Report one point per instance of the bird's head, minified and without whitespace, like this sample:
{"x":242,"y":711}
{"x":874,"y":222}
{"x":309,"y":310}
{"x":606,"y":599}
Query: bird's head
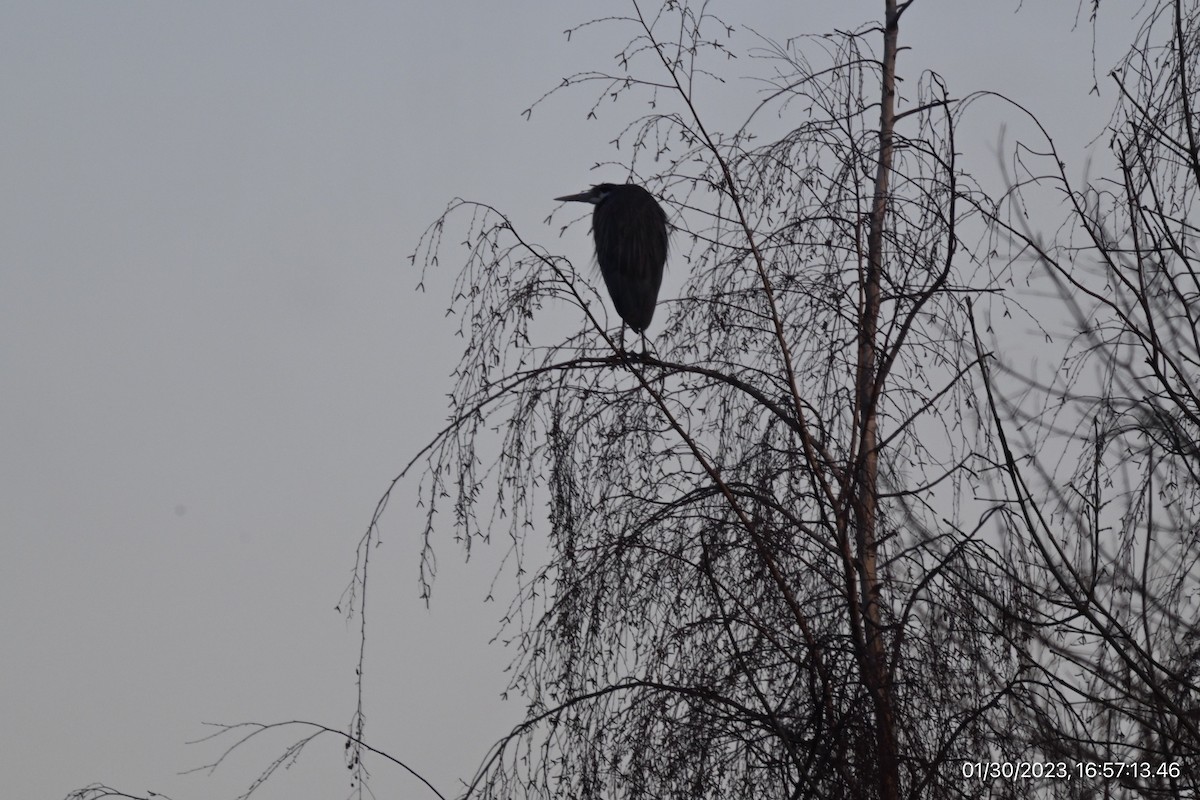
{"x":593,"y":195}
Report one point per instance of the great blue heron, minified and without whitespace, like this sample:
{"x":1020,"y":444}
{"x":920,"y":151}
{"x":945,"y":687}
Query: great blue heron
{"x":630,"y":229}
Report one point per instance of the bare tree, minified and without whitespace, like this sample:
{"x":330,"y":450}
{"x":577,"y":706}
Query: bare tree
{"x":751,"y":530}
{"x":1101,"y":460}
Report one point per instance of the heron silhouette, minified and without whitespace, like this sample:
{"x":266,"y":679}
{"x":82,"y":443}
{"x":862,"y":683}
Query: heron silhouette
{"x":630,"y":229}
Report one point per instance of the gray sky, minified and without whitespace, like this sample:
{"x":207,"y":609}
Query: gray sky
{"x":214,"y":361}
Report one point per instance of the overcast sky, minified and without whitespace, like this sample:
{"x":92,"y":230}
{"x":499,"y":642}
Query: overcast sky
{"x":213,"y":359}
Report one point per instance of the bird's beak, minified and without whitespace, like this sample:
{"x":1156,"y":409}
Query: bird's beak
{"x":582,"y":197}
